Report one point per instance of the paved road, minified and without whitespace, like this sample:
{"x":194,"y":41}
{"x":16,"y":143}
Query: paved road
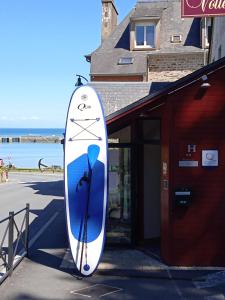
{"x":37,"y":189}
{"x":47,"y":274}
{"x":44,"y":192}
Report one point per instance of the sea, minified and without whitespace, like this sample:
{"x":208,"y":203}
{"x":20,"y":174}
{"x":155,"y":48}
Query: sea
{"x":27,"y":155}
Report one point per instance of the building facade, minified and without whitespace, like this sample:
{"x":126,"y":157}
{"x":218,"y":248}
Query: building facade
{"x":166,"y":143}
{"x":172,"y":165}
{"x":153,"y":43}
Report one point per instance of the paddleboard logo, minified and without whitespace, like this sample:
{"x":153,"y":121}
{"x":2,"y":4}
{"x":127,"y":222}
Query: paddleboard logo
{"x":83,"y":106}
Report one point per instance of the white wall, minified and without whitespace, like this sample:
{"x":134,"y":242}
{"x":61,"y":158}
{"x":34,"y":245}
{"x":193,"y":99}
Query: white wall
{"x":218,"y":39}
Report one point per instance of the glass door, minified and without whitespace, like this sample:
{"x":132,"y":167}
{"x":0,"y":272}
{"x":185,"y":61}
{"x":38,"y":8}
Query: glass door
{"x":119,"y":203}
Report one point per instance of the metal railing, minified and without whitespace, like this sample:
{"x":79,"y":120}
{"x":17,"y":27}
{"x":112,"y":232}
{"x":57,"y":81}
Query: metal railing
{"x":14,"y":242}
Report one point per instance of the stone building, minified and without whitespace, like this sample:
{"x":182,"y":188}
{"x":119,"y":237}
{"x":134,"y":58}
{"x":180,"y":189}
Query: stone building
{"x":153,"y":43}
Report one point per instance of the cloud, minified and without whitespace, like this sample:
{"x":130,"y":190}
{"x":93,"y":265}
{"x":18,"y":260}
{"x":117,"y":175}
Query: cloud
{"x":35,"y":118}
{"x":7,"y":118}
{"x":30,"y":118}
{"x":22,"y":118}
{"x":4,"y":118}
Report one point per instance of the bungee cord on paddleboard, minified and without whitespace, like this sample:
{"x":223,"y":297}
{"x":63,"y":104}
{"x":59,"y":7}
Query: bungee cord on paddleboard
{"x":85,"y":129}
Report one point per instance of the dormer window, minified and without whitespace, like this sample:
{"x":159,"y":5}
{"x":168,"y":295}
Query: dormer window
{"x":145,"y":35}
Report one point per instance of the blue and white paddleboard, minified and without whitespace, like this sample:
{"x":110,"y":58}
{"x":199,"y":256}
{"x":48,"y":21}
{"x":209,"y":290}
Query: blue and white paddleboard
{"x":86,"y":172}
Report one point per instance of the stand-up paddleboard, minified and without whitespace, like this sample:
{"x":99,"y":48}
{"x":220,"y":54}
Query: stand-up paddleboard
{"x":86,"y":174}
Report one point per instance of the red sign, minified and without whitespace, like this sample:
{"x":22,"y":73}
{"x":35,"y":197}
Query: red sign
{"x":202,"y":8}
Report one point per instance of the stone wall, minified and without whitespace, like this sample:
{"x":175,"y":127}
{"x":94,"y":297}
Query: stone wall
{"x":168,"y":75}
{"x":170,"y":67}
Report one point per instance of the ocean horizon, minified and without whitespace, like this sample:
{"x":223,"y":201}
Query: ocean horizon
{"x":27,"y":155}
{"x":17,"y":132}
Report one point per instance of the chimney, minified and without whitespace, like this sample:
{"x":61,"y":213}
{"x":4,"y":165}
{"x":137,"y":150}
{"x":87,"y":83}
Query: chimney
{"x":109,"y":18}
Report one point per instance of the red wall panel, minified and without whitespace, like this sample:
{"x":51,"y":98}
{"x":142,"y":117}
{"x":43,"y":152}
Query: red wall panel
{"x":197,"y":232}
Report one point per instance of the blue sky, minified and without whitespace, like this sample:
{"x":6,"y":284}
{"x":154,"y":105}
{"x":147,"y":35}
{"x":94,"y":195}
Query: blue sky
{"x":43,"y":43}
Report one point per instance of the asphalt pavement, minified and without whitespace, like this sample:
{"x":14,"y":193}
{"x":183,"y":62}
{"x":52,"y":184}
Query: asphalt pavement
{"x":37,"y":189}
{"x":48,"y":272}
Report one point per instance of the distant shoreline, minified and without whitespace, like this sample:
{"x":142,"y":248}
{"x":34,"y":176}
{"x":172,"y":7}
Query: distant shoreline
{"x":35,"y":132}
{"x":35,"y":170}
{"x":23,"y":148}
{"x":55,"y":139}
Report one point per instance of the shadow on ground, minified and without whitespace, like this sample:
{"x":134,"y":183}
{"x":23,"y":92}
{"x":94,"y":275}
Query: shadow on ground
{"x":48,"y":188}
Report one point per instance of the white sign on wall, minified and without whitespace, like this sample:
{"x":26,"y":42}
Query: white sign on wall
{"x":210,"y":158}
{"x":188,"y":163}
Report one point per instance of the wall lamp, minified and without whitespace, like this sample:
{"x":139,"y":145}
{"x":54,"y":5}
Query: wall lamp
{"x":205,"y":84}
{"x":143,"y":115}
{"x":79,"y":81}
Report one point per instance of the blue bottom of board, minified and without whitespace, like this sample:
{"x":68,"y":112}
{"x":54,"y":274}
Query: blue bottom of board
{"x":86,"y":182}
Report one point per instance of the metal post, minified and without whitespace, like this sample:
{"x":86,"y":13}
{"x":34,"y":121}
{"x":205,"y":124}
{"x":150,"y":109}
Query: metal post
{"x":27,"y":229}
{"x":10,"y":242}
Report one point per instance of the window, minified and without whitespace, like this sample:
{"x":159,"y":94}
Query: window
{"x":145,"y":35}
{"x":125,"y":61}
{"x":176,"y":38}
{"x":151,"y":130}
{"x":121,"y":136}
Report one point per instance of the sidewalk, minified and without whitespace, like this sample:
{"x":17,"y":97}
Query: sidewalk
{"x":49,"y":273}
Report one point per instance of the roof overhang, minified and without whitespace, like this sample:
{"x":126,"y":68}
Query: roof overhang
{"x":145,"y":18}
{"x":155,"y":100}
{"x":117,"y":74}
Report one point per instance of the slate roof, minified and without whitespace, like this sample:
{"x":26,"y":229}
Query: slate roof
{"x":104,"y":60}
{"x":154,"y":98}
{"x":117,"y":95}
{"x":147,"y":11}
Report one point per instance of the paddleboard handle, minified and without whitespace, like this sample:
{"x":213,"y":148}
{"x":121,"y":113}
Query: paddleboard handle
{"x":85,"y":178}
